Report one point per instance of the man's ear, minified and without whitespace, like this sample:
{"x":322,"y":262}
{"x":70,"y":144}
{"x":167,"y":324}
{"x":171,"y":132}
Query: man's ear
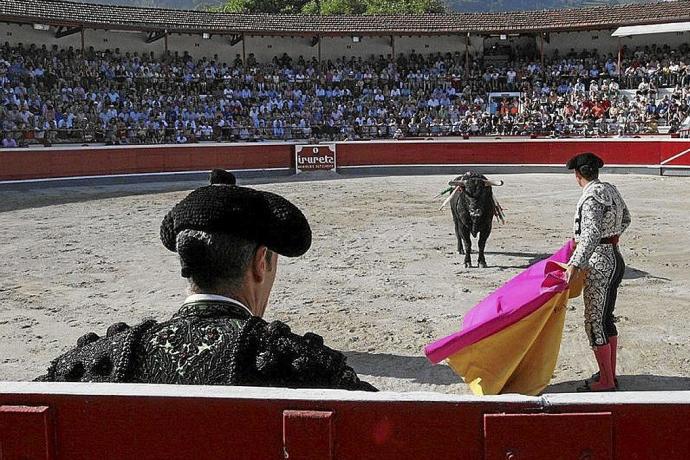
{"x":259,"y":265}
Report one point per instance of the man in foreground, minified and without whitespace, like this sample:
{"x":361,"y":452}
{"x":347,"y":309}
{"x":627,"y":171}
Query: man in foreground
{"x":228,"y":239}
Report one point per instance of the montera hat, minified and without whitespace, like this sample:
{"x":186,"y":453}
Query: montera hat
{"x":266,"y":218}
{"x":585,"y":159}
{"x":222,"y":177}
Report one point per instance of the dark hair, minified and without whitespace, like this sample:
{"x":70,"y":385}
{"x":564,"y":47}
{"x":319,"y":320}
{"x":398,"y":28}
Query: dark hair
{"x":587,"y":164}
{"x":209,"y":259}
{"x":589,"y":171}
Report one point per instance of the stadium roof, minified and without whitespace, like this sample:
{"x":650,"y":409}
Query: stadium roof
{"x":652,"y":29}
{"x":74,"y":14}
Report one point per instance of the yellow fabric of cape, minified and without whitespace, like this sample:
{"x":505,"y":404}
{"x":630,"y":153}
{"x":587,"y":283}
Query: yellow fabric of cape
{"x":520,"y":358}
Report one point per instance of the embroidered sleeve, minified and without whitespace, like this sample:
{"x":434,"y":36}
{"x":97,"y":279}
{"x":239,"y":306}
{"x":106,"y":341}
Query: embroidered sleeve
{"x":626,"y":217}
{"x":99,"y":359}
{"x":591,"y":224}
{"x":271,"y":355}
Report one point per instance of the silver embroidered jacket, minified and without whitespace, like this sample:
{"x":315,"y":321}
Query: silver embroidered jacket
{"x":601,"y":213}
{"x":206,"y":343}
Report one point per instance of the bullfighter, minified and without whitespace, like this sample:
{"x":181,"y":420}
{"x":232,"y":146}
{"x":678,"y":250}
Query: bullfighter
{"x":600,"y":219}
{"x":228,"y":239}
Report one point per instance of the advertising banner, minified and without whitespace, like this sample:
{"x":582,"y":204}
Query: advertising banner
{"x":319,"y":157}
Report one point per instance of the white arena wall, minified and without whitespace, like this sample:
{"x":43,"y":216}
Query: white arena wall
{"x":25,"y":33}
{"x":265,"y":47}
{"x":197,"y":46}
{"x":602,"y":41}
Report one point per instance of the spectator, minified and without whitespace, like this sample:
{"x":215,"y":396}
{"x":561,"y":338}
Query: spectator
{"x":8,"y":142}
{"x":66,"y":95}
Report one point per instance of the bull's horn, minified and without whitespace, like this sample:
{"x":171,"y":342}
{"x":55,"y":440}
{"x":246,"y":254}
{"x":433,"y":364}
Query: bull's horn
{"x":493,"y":183}
{"x":457,"y":183}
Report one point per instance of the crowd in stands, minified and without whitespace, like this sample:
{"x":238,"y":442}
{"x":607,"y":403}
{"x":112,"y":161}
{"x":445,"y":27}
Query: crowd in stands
{"x":50,"y":95}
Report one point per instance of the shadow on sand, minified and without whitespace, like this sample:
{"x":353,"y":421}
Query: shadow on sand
{"x":35,"y":195}
{"x":634,"y":273}
{"x":643,"y":382}
{"x":531,"y":258}
{"x":416,"y":368}
{"x":14,"y":200}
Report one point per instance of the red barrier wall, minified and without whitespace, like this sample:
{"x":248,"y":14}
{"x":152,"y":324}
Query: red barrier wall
{"x":542,"y":152}
{"x":95,"y":161}
{"x":118,"y":421}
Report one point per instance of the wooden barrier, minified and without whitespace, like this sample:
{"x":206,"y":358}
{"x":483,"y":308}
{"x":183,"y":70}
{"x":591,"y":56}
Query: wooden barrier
{"x":122,"y":421}
{"x":18,"y":164}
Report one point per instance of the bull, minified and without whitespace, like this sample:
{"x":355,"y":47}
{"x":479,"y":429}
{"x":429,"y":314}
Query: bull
{"x":473,"y":207}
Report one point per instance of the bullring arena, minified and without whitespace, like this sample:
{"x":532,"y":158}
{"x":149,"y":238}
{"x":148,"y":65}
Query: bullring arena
{"x":80,"y":217}
{"x":383,"y":278}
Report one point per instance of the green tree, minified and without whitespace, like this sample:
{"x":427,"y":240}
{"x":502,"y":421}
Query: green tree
{"x":334,"y":7}
{"x":329,"y":7}
{"x":404,"y":6}
{"x":262,"y":6}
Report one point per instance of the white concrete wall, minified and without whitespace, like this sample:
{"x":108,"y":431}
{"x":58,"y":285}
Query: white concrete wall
{"x":431,"y":44}
{"x":337,"y":47}
{"x":674,"y":40}
{"x":125,"y":41}
{"x":602,"y":41}
{"x":25,"y":33}
{"x":265,"y":47}
{"x":196,"y":46}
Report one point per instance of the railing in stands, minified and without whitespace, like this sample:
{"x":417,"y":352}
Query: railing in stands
{"x":148,"y":136}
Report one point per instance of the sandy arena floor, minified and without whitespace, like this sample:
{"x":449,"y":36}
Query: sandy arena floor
{"x":382,"y":278}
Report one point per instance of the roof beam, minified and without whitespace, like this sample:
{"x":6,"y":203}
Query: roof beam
{"x":64,"y":31}
{"x":235,"y":39}
{"x":155,"y":36}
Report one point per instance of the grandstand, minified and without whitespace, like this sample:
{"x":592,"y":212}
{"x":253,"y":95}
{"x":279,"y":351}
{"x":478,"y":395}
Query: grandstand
{"x":123,"y":75}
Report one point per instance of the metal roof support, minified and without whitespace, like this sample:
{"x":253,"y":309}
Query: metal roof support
{"x":155,"y":36}
{"x":620,"y":58}
{"x":63,"y":31}
{"x":467,"y":55}
{"x":235,"y":39}
{"x":541,"y":48}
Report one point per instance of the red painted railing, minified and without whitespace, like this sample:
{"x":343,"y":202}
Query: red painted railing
{"x":119,"y":421}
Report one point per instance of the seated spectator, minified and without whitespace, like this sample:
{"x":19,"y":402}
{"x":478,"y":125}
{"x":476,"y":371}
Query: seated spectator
{"x":8,"y":141}
{"x":228,"y":239}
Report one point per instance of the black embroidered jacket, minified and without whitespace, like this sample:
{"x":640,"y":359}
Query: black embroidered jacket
{"x":206,"y":343}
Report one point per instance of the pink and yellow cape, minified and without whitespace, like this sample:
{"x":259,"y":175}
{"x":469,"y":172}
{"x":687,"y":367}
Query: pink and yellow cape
{"x":509,"y":342}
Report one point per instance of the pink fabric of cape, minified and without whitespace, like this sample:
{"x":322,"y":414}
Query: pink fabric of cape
{"x":514,"y":301}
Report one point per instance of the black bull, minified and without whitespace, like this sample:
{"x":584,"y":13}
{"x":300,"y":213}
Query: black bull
{"x":473,"y":208}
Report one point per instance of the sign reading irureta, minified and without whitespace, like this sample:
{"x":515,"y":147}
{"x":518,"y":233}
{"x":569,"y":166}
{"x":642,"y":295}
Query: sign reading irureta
{"x":319,"y":157}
